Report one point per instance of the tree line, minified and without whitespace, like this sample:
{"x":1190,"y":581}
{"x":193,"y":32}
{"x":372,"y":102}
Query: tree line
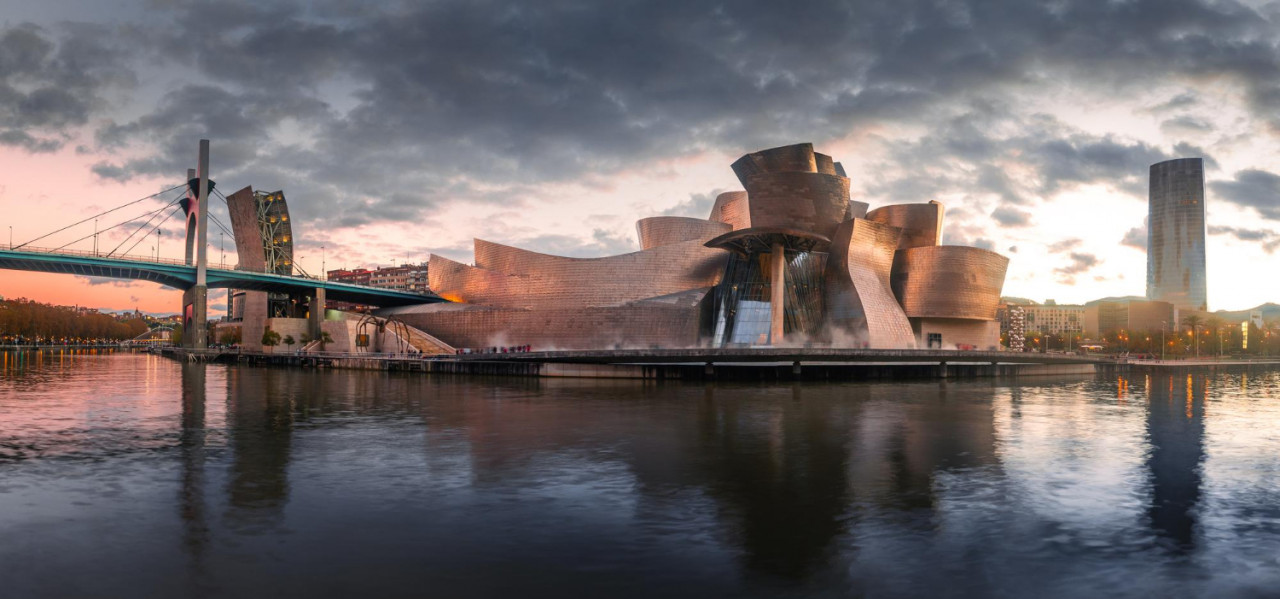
{"x":26,"y":321}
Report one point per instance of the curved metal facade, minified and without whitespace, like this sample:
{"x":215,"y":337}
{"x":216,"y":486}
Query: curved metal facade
{"x":511,"y":277}
{"x":808,"y":201}
{"x":921,"y":224}
{"x":792,"y":187}
{"x":1175,"y":234}
{"x":665,"y":230}
{"x":791,"y":259}
{"x":731,"y":208}
{"x":859,"y":299}
{"x":948,"y":281}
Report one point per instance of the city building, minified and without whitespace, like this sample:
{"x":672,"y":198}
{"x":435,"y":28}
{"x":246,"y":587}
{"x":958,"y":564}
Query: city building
{"x":1054,"y":319}
{"x":262,"y":218}
{"x":358,"y":276}
{"x":1101,"y":318}
{"x":1175,"y":234}
{"x":792,"y":260}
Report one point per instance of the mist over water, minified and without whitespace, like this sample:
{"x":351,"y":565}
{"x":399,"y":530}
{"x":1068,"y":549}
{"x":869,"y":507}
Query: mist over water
{"x":129,"y":475}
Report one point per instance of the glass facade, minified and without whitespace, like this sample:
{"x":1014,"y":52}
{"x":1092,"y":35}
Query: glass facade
{"x":1175,"y":234}
{"x":742,"y":309}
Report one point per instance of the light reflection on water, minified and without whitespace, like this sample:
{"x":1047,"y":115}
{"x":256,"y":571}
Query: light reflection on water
{"x":131,"y":475}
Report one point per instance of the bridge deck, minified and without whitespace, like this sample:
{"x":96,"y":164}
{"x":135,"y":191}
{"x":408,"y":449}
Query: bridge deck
{"x":181,"y":276}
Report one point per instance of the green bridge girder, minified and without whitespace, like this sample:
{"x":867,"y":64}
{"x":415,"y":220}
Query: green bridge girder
{"x":181,"y":276}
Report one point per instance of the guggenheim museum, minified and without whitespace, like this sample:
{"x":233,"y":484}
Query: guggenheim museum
{"x":790,"y":261}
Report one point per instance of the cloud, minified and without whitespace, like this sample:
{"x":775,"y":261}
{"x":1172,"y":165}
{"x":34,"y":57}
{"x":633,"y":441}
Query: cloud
{"x":1058,"y":247}
{"x":1011,"y":217}
{"x":1186,"y":99}
{"x":1080,"y":263}
{"x":95,"y":281}
{"x":52,"y":83}
{"x":1186,"y":125}
{"x":602,"y":243}
{"x":1252,"y":188}
{"x":698,"y":205}
{"x":1266,"y":239}
{"x":1136,"y":238}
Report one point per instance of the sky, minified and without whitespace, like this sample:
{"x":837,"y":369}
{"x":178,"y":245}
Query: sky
{"x":403,"y":129}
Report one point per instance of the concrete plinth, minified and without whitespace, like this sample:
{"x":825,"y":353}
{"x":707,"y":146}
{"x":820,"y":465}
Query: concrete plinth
{"x":315,"y":317}
{"x":195,"y":323}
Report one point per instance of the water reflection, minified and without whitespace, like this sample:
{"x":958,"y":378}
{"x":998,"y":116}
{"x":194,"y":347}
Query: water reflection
{"x":1175,"y":429}
{"x":191,"y":442}
{"x":260,"y":411}
{"x":780,"y":476}
{"x":495,"y":487}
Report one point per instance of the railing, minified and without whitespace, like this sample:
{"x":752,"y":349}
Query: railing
{"x":173,"y":262}
{"x":99,"y":254}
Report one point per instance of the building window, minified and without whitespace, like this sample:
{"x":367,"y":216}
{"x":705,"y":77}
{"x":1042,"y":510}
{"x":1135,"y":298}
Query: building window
{"x":935,"y":340}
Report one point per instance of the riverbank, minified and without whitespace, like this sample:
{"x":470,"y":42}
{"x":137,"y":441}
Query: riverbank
{"x":781,"y":364}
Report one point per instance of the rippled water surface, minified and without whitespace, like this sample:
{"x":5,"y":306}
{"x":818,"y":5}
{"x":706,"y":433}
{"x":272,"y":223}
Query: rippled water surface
{"x":127,"y":475}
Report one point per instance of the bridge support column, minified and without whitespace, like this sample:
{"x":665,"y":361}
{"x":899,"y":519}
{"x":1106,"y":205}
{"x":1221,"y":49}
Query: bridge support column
{"x":195,"y":302}
{"x":316,"y":313}
{"x":195,"y":318}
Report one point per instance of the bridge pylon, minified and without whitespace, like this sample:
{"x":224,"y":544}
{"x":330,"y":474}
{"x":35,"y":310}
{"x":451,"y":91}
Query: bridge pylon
{"x":195,"y":302}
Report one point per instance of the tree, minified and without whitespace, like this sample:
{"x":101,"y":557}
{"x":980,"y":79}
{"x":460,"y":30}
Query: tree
{"x":229,"y":336}
{"x":288,"y":341}
{"x":1193,"y":322}
{"x":325,"y":339}
{"x":1214,"y":325}
{"x":176,"y":335}
{"x":270,"y":338}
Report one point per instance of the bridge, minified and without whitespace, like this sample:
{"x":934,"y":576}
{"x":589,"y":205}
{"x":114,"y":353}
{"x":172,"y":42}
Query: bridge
{"x":179,"y":275}
{"x":194,"y":275}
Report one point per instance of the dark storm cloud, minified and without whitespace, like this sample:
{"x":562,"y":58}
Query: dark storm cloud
{"x":1180,"y":101}
{"x":963,"y":153}
{"x":468,"y":101}
{"x":51,"y":83}
{"x":1252,"y":188}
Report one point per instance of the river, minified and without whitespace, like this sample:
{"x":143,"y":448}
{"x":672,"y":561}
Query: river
{"x":131,"y":475}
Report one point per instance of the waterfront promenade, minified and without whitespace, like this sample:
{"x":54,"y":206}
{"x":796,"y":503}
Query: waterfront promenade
{"x":689,"y":363}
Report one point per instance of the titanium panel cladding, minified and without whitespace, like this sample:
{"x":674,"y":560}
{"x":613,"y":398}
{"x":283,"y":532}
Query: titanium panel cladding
{"x":1175,"y":234}
{"x":949,"y":281}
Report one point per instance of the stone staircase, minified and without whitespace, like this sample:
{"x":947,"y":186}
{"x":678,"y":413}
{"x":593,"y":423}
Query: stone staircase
{"x":423,"y":342}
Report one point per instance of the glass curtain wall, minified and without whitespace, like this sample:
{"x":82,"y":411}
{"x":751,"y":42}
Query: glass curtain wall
{"x":742,"y":309}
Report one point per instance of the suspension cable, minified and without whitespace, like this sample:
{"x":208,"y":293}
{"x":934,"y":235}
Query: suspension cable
{"x":175,"y":187}
{"x":100,"y":231}
{"x":153,"y":229}
{"x":155,"y":214}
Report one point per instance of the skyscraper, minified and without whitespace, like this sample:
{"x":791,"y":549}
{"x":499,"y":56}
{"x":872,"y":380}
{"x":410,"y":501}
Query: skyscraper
{"x":1175,"y":234}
